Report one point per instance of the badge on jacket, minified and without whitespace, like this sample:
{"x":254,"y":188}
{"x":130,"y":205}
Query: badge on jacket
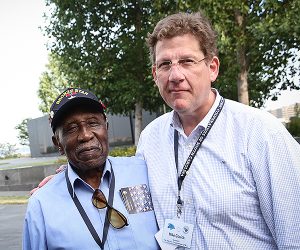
{"x":137,"y":199}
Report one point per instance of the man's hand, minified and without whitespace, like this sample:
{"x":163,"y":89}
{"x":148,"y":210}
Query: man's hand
{"x":48,"y":178}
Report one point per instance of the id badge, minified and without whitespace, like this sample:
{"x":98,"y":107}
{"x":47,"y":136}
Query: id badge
{"x":178,"y":233}
{"x":163,"y":245}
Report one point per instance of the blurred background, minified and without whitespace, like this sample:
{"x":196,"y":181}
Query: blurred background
{"x":100,"y":45}
{"x":49,"y":45}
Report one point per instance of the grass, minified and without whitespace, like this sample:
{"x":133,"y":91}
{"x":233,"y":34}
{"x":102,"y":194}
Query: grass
{"x":5,"y":200}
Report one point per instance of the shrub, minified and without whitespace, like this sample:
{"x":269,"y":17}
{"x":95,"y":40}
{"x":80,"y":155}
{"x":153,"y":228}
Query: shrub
{"x":294,"y":126}
{"x":123,"y":151}
{"x":8,"y":150}
{"x":61,"y":161}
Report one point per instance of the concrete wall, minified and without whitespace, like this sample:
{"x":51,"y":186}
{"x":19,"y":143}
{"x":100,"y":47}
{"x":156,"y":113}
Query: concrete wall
{"x":23,"y":179}
{"x":40,"y":134}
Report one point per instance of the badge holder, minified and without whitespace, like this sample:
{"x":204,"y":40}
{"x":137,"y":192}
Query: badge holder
{"x":175,"y":232}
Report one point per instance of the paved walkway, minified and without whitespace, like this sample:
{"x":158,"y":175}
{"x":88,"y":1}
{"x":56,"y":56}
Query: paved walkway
{"x":12,"y":216}
{"x":28,"y":161}
{"x":11,"y":222}
{"x":14,"y":193}
{"x":11,"y":226}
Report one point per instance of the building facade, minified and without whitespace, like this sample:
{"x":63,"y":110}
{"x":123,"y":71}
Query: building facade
{"x":284,"y":114}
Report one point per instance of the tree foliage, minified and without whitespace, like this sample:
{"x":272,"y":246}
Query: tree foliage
{"x":52,"y":82}
{"x":294,"y":126}
{"x":100,"y":45}
{"x":265,"y":45}
{"x":8,"y":150}
{"x":23,"y":132}
{"x":258,"y":44}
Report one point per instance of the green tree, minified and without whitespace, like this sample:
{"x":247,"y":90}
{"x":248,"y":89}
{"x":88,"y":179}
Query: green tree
{"x":23,"y":132}
{"x":297,"y":110}
{"x":294,"y":126}
{"x":259,"y":43}
{"x":103,"y":45}
{"x":8,"y":150}
{"x":52,"y":82}
{"x":100,"y":46}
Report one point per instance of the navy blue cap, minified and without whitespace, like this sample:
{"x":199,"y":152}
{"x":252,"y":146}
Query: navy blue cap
{"x":70,"y":97}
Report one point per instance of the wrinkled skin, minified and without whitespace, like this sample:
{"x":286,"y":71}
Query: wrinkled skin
{"x":82,"y":137}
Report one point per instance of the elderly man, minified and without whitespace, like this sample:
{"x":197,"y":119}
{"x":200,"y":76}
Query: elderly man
{"x":98,"y":201}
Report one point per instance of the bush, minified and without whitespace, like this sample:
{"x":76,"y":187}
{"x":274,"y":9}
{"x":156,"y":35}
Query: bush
{"x":294,"y":126}
{"x":8,"y":150}
{"x":123,"y":151}
{"x":61,"y":160}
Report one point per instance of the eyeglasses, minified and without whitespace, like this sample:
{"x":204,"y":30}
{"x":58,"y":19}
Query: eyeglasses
{"x":115,"y":217}
{"x":164,"y":67}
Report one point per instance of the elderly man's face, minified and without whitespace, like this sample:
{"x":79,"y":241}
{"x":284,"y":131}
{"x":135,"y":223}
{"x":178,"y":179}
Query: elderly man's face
{"x":82,"y":137}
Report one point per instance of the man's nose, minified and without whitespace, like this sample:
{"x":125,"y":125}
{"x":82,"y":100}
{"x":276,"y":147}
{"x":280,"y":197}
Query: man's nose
{"x":85,"y":134}
{"x":176,"y":73}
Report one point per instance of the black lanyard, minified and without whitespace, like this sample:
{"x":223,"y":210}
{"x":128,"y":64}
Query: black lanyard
{"x":193,"y":153}
{"x":83,"y":213}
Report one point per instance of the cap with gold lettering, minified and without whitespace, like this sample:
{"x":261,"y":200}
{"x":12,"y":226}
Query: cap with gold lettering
{"x":70,"y":97}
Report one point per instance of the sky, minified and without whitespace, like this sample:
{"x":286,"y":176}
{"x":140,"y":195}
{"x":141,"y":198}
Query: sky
{"x":23,"y":56}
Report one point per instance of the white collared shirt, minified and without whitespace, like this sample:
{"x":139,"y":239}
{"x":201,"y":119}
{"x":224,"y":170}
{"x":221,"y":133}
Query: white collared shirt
{"x":242,"y":189}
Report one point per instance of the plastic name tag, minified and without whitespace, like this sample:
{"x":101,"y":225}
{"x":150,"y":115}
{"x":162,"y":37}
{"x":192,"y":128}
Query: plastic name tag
{"x":163,"y":245}
{"x":178,"y":233}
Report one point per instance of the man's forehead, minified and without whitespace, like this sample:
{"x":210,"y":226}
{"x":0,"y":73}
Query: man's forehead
{"x":80,"y":115}
{"x":177,"y":47}
{"x":83,"y":115}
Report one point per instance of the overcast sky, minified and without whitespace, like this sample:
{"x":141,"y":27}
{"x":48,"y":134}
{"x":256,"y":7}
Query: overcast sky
{"x":23,"y":57}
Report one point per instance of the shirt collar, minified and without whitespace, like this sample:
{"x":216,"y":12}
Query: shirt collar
{"x":74,"y":178}
{"x":176,"y":124}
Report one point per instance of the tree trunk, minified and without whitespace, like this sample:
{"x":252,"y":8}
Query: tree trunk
{"x":138,"y":122}
{"x":242,"y":85}
{"x":242,"y":82}
{"x":140,"y":75}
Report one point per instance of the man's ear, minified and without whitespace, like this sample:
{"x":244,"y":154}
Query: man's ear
{"x":154,"y":74}
{"x":214,"y":68}
{"x":58,"y":145}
